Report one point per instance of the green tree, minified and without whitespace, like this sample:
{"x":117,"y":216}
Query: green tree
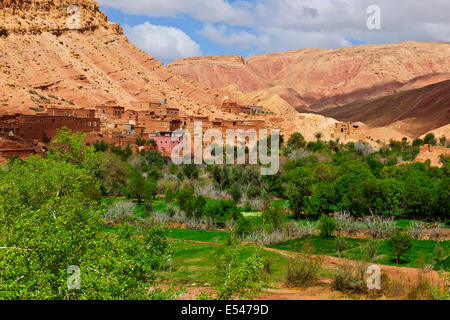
{"x":140,"y":188}
{"x":326,"y":226}
{"x":298,"y":188}
{"x":399,"y":243}
{"x":236,"y":191}
{"x":430,"y":138}
{"x":235,"y":278}
{"x":296,"y":141}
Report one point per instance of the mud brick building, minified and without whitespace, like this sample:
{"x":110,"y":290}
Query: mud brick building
{"x":235,"y":108}
{"x":346,"y":130}
{"x":44,"y":127}
{"x":113,"y":112}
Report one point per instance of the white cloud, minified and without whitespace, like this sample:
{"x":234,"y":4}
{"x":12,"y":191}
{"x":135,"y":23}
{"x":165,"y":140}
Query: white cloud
{"x":277,"y":25}
{"x":224,"y":36}
{"x":164,"y":43}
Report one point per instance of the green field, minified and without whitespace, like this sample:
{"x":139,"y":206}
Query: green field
{"x":326,"y":246}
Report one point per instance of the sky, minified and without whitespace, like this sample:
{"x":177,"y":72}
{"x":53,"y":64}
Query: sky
{"x":173,"y":29}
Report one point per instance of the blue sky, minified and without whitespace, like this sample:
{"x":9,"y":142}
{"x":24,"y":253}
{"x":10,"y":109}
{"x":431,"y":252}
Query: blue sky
{"x":173,"y":29}
{"x":186,"y":23}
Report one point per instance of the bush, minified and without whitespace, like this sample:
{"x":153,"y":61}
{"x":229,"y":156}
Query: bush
{"x":274,"y":217}
{"x":439,"y":252}
{"x":172,"y":210}
{"x":169,"y":195}
{"x":191,"y":171}
{"x":345,"y":223}
{"x":349,"y":278}
{"x":327,"y":226}
{"x":399,"y":243}
{"x":236,"y":192}
{"x":253,"y":192}
{"x":341,"y":245}
{"x":380,"y":227}
{"x":120,"y":210}
{"x":302,"y":273}
{"x":243,"y":227}
{"x":416,"y":229}
{"x":371,"y":250}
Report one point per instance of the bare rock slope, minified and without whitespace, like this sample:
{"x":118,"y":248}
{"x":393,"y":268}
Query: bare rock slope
{"x":313,"y":80}
{"x":44,"y":61}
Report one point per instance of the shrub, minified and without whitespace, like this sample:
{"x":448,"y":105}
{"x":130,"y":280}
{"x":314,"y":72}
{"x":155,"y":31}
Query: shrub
{"x":191,"y":171}
{"x":380,"y":227}
{"x":341,"y":245}
{"x":274,"y":217}
{"x":120,"y":210}
{"x":259,"y":204}
{"x":307,"y":230}
{"x":436,"y":231}
{"x":349,"y":278}
{"x":439,"y":252}
{"x":253,"y":192}
{"x":237,"y":280}
{"x":416,"y":229}
{"x":345,"y":223}
{"x":327,"y":226}
{"x":399,"y":243}
{"x":371,"y":250}
{"x":291,"y":229}
{"x":161,"y":217}
{"x":243,"y":227}
{"x":236,"y":192}
{"x":169,"y":195}
{"x":302,"y":273}
{"x":172,"y":210}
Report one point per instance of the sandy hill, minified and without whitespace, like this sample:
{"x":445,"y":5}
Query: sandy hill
{"x":412,"y":112}
{"x":43,"y":61}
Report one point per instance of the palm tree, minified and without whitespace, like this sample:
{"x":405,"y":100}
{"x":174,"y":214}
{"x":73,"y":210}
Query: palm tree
{"x":318,"y":135}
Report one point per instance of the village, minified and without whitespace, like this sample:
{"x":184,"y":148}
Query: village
{"x":24,"y":135}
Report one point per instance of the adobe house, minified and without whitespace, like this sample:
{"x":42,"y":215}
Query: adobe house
{"x":233,"y":107}
{"x":114,"y":112}
{"x":43,"y":127}
{"x":165,"y":143}
{"x":76,"y":113}
{"x":345,"y":130}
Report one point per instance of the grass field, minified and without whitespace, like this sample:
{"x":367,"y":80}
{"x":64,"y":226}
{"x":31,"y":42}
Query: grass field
{"x":326,"y":246}
{"x":194,"y":263}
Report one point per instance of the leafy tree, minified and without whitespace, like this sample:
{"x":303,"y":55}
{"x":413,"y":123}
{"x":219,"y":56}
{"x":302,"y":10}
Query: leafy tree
{"x":298,"y":188}
{"x":418,"y":142}
{"x":399,"y":243}
{"x":236,"y":191}
{"x":326,"y":226}
{"x":140,"y":188}
{"x":113,"y":174}
{"x":253,"y":192}
{"x":274,"y":217}
{"x":191,"y":171}
{"x":48,"y":222}
{"x":71,"y":147}
{"x":235,"y":279}
{"x":296,"y":141}
{"x":430,"y":139}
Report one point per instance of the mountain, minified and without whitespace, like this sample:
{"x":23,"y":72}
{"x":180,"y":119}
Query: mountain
{"x":314,"y":79}
{"x":44,"y":61}
{"x":412,"y":112}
